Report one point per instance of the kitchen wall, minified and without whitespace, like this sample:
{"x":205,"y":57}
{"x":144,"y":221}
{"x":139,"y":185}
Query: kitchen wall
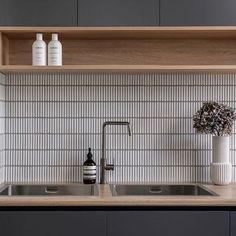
{"x":52,"y":119}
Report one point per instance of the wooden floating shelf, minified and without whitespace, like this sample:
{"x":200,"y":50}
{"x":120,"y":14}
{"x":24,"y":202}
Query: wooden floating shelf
{"x":119,"y":69}
{"x":124,"y":49}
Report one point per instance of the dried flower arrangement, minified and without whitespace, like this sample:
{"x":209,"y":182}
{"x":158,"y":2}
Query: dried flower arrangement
{"x":214,"y":118}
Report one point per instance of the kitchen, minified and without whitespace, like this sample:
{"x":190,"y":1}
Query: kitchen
{"x":133,"y":75}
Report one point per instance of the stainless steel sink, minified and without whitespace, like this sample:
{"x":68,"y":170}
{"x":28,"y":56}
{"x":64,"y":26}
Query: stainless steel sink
{"x":49,"y":190}
{"x":160,"y":190}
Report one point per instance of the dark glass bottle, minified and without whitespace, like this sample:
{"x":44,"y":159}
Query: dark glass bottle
{"x":89,"y":169}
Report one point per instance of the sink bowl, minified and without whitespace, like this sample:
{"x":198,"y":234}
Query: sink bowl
{"x":50,"y":190}
{"x":160,"y":190}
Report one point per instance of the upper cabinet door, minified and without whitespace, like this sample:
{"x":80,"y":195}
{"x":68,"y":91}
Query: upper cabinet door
{"x":118,"y":12}
{"x":38,"y":12}
{"x":197,"y":12}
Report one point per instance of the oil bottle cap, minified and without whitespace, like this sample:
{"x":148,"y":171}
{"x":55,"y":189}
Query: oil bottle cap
{"x":89,"y":155}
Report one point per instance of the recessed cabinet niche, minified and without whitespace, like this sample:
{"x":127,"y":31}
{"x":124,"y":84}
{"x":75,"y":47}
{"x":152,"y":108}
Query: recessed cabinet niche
{"x":124,"y":49}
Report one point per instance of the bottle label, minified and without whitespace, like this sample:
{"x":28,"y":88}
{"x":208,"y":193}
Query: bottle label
{"x":39,"y":56}
{"x":89,"y":172}
{"x":54,"y":55}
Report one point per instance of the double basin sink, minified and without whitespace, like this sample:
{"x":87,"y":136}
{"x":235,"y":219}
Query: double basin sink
{"x":116,"y":190}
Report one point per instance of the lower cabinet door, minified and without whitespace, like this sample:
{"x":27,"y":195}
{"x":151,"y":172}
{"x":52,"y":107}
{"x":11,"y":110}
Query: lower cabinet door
{"x":233,"y":223}
{"x":168,"y":223}
{"x":52,"y":223}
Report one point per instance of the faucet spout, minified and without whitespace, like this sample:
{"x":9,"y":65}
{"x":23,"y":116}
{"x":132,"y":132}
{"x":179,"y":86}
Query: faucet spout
{"x":104,"y":165}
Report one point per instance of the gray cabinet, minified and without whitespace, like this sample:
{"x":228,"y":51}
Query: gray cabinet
{"x":197,"y":12}
{"x":38,"y":12}
{"x":115,"y":223}
{"x":118,"y":12}
{"x":49,"y":223}
{"x":233,"y":223}
{"x":168,"y":223}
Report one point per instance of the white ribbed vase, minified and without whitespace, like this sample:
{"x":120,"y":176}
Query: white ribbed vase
{"x":220,"y":168}
{"x":221,"y":173}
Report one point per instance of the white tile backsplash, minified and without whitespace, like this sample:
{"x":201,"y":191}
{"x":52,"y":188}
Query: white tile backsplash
{"x":51,"y":120}
{"x":2,"y":128}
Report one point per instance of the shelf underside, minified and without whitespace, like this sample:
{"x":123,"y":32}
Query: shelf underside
{"x":119,"y":69}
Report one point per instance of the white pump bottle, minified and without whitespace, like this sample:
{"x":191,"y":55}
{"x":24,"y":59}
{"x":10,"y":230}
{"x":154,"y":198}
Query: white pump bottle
{"x":54,"y":51}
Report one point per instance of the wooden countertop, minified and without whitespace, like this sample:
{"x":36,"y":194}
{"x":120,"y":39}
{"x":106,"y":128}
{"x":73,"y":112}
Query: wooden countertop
{"x":227,"y":197}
